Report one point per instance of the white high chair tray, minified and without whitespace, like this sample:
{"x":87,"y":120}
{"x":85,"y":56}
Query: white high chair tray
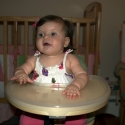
{"x":47,"y":100}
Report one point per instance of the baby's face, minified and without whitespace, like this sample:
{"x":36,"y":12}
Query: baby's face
{"x":51,"y":39}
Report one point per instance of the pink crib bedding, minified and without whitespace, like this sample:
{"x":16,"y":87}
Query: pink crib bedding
{"x":18,"y":55}
{"x":20,"y":49}
{"x":12,"y":55}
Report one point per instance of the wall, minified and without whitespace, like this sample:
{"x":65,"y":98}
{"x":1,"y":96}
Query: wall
{"x":112,"y":17}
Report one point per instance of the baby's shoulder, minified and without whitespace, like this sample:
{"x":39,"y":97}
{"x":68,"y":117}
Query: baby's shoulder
{"x":71,"y":56}
{"x":32,"y":58}
{"x":72,"y":60}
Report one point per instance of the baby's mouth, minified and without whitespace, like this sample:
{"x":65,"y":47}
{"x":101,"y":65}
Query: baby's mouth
{"x":46,"y":44}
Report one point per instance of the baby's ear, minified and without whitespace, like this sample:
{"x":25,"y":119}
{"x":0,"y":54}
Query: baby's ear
{"x":67,"y":40}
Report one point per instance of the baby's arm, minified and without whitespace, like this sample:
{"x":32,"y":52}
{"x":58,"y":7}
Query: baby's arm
{"x":22,"y":72}
{"x":80,"y":80}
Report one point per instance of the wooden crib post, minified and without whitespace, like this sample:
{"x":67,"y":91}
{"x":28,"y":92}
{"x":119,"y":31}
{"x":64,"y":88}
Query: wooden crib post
{"x":94,"y":10}
{"x":97,"y":30}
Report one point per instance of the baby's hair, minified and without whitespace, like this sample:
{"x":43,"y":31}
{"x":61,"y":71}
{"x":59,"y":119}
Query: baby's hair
{"x":67,"y":25}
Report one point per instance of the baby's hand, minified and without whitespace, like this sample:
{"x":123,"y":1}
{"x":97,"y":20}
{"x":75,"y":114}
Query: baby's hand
{"x":71,"y":91}
{"x":22,"y":78}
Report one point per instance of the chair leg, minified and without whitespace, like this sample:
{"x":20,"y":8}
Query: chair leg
{"x":92,"y":122}
{"x":59,"y":122}
{"x":122,"y":110}
{"x":123,"y":116}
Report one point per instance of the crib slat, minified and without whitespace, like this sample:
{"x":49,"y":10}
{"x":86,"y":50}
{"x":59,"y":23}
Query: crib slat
{"x":77,"y":37}
{"x":87,"y":42}
{"x":92,"y":39}
{"x":97,"y":31}
{"x":15,"y":36}
{"x":19,"y":39}
{"x":26,"y":39}
{"x":5,"y":51}
{"x":14,"y":40}
{"x":5,"y":33}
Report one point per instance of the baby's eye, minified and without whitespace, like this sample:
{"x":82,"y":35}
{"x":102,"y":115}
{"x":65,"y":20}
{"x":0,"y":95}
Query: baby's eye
{"x":53,"y":34}
{"x":41,"y":34}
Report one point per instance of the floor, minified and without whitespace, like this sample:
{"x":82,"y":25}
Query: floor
{"x":106,"y":119}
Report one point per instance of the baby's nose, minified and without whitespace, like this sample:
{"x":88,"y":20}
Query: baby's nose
{"x":46,"y":36}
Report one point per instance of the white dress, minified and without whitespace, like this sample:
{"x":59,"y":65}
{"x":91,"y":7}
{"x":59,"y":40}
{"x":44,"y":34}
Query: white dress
{"x":52,"y":74}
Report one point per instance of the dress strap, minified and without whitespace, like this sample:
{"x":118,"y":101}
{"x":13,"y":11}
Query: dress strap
{"x":64,"y":60}
{"x":37,"y":53}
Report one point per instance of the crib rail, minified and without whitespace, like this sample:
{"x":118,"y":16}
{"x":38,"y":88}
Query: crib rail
{"x":34,"y":19}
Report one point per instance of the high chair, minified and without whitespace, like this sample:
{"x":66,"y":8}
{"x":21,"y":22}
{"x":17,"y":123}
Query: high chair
{"x":48,"y":101}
